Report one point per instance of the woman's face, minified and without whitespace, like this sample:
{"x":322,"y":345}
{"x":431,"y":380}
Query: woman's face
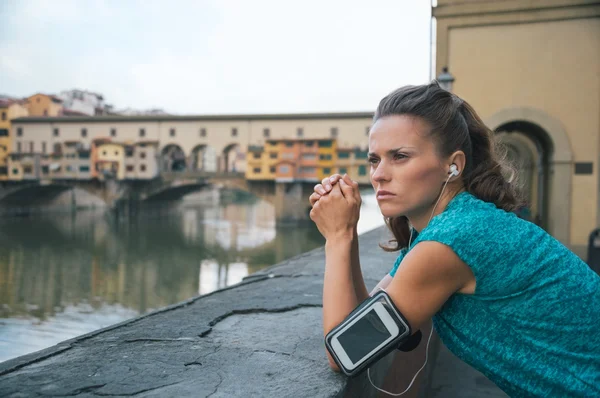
{"x":406,"y":171}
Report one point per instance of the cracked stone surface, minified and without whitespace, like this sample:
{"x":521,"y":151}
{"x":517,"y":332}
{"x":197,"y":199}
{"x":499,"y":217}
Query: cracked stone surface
{"x":262,"y":337}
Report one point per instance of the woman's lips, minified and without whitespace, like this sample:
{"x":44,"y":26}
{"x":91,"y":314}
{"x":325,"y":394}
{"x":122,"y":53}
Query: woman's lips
{"x":382,"y":195}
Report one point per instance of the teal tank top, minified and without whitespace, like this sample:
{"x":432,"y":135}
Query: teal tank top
{"x":533,"y":324}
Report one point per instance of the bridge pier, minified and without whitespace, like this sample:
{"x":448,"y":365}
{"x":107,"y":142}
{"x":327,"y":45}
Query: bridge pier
{"x":291,"y":202}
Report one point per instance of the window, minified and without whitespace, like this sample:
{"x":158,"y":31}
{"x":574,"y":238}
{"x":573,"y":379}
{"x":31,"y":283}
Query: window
{"x":3,"y":115}
{"x":288,"y":156}
{"x":272,"y":169}
{"x":143,"y":167}
{"x":309,"y":156}
{"x":84,"y":132}
{"x":202,"y":132}
{"x":104,"y":153}
{"x":284,"y":169}
{"x":289,"y":144}
{"x":256,"y":170}
{"x":307,"y":170}
{"x":367,"y":129}
{"x":3,"y":170}
{"x":116,"y":153}
{"x":142,"y":155}
{"x":362,"y":170}
{"x":256,"y":155}
{"x":273,"y":155}
{"x":300,"y":132}
{"x":84,"y":169}
{"x":57,"y":148}
{"x":43,"y":146}
{"x":343,"y":170}
{"x":309,"y":144}
{"x":128,"y":151}
{"x":31,"y":147}
{"x":84,"y":155}
{"x":334,"y":132}
{"x":234,"y":132}
{"x":326,"y":170}
{"x":266,"y":133}
{"x":27,"y":169}
{"x":358,"y":154}
{"x":37,"y":100}
{"x":142,"y":132}
{"x":15,"y":171}
{"x":325,"y":144}
{"x":172,"y":132}
{"x":69,"y":168}
{"x":129,"y":168}
{"x":3,"y":132}
{"x":326,"y":156}
{"x":45,"y":169}
{"x":55,"y":132}
{"x":45,"y":112}
{"x":18,"y":147}
{"x":113,"y":132}
{"x":343,"y":155}
{"x":19,"y":131}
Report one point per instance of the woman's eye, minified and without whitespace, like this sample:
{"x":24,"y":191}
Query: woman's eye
{"x":399,"y":156}
{"x":373,"y":160}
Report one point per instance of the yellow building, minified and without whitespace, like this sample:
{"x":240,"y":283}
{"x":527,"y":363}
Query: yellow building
{"x":327,"y":158}
{"x":530,"y":69}
{"x":44,"y":105}
{"x":110,"y":161}
{"x":9,"y":109}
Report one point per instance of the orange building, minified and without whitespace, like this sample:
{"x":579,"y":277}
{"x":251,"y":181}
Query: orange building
{"x":44,"y":105}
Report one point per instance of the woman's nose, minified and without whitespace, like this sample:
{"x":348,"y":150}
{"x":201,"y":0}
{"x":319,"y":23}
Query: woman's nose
{"x":380,"y":172}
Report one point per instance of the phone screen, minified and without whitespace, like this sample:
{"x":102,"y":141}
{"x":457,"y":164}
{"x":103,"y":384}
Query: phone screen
{"x":363,"y":336}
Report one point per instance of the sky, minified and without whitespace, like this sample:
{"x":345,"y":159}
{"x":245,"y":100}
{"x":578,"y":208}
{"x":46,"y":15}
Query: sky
{"x":217,"y":56}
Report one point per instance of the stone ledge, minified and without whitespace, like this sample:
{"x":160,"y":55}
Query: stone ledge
{"x":261,"y":337}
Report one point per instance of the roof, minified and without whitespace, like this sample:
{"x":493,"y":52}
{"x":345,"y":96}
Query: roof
{"x":194,"y":118}
{"x":5,"y":102}
{"x":51,"y":96}
{"x":71,"y":112}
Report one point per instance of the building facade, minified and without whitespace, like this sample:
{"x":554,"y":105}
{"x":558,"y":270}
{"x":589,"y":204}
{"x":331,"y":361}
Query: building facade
{"x":9,"y":109}
{"x":307,"y":142}
{"x":530,"y":69}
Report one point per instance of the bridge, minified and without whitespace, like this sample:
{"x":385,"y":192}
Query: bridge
{"x":290,"y":199}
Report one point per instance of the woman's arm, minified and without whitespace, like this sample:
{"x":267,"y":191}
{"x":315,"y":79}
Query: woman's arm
{"x":323,"y":189}
{"x":357,"y":277}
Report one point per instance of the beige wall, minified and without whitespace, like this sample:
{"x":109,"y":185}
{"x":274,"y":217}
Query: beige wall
{"x":543,"y":69}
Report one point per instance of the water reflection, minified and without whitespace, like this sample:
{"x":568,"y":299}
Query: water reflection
{"x":67,"y":274}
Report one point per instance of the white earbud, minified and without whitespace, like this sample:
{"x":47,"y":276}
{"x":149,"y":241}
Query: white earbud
{"x":453,"y":170}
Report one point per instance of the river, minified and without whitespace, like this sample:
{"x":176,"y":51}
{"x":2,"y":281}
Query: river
{"x":63,"y":274}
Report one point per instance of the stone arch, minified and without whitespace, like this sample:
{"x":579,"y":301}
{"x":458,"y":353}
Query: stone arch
{"x":233,"y":159}
{"x":172,"y":158}
{"x":554,"y":163}
{"x":203,"y":158}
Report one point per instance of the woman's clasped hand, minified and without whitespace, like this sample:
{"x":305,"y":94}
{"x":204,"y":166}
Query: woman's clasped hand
{"x":336,"y":207}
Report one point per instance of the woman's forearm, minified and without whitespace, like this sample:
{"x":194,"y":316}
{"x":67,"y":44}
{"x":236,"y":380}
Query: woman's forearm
{"x":359,"y":283}
{"x":339,"y":296}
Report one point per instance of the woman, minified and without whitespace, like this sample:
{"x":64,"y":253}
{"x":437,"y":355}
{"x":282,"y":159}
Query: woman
{"x":504,"y":295}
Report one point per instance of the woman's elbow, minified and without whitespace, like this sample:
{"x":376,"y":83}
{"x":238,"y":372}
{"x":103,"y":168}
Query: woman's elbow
{"x":332,"y":363}
{"x":334,"y":366}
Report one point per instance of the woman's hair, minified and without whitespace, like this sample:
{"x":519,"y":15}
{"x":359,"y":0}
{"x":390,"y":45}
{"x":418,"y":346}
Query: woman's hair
{"x":454,"y":126}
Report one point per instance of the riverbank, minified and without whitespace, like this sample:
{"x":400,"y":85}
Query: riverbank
{"x":261,"y":337}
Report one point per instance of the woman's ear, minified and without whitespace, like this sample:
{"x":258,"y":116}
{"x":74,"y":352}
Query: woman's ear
{"x":458,"y":159}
